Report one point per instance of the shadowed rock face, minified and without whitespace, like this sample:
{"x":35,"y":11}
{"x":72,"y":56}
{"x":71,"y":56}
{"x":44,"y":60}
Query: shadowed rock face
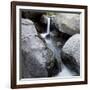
{"x":71,"y":53}
{"x":32,"y":15}
{"x":36,"y":59}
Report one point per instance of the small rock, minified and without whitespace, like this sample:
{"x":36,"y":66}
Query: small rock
{"x":44,"y":19}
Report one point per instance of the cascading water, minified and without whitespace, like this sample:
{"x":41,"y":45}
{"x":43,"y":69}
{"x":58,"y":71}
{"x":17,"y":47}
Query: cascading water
{"x":52,"y":44}
{"x":48,"y":26}
{"x":44,"y":35}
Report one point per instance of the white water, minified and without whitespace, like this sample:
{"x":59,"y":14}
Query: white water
{"x":48,"y":26}
{"x":65,"y":71}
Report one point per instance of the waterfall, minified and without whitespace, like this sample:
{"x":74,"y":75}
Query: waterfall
{"x":48,"y":25}
{"x":52,"y":45}
{"x":47,"y":34}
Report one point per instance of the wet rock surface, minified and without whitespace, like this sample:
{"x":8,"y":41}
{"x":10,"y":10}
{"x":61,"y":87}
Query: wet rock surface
{"x":37,"y":60}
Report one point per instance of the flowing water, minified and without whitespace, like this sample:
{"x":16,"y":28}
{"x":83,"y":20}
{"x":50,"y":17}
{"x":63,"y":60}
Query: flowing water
{"x":55,"y":44}
{"x":48,"y":26}
{"x":48,"y":29}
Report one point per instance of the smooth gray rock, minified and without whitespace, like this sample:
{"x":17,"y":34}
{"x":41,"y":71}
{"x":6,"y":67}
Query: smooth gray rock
{"x":67,"y":23}
{"x":36,"y":59}
{"x":27,"y":28}
{"x":71,"y":53}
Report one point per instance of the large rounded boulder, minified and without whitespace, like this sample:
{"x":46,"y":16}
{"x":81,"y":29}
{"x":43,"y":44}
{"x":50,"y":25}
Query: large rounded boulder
{"x":71,"y":53}
{"x":67,"y":23}
{"x":36,"y":59}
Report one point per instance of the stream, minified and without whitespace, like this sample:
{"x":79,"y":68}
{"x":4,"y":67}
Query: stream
{"x":55,"y":44}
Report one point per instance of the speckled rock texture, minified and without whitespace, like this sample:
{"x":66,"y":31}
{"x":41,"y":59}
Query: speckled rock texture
{"x":36,"y":59}
{"x":71,"y":53}
{"x":67,"y":23}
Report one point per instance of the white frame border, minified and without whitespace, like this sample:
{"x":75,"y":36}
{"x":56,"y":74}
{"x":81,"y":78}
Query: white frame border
{"x":50,"y":80}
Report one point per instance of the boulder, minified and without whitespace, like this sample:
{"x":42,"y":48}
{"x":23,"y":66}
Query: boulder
{"x":71,"y":53}
{"x":36,"y":59}
{"x":44,"y":19}
{"x":67,"y":23}
{"x":27,"y":28}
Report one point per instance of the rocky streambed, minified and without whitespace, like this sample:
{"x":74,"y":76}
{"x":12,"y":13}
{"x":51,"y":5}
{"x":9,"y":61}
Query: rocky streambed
{"x":56,"y":54}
